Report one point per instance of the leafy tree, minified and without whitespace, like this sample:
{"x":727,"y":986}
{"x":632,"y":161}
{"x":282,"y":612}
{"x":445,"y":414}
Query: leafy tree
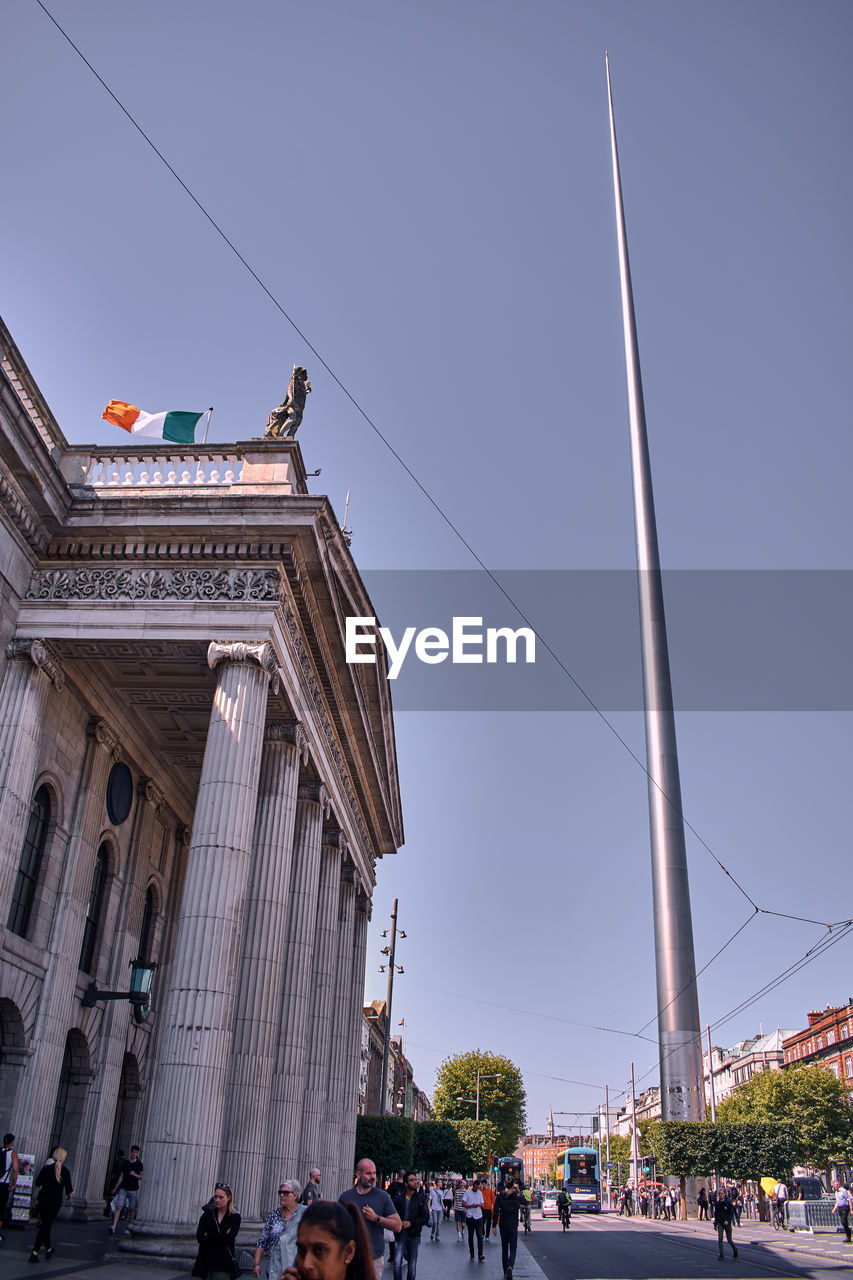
{"x":438,"y":1148}
{"x":808,"y":1097}
{"x":386,"y":1140}
{"x":750,"y":1150}
{"x":479,"y":1141}
{"x":501,"y":1101}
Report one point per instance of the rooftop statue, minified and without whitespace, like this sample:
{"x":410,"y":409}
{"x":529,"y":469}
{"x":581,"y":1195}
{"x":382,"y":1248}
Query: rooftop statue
{"x":285,"y":420}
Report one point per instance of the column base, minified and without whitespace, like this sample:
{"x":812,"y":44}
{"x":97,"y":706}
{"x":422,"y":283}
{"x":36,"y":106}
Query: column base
{"x":171,"y":1244}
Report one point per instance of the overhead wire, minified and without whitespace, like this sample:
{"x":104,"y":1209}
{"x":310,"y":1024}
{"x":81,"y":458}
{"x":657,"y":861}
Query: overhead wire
{"x":593,"y":705}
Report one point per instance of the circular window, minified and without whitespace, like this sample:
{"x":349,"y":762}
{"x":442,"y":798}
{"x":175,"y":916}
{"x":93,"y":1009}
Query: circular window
{"x":119,"y":793}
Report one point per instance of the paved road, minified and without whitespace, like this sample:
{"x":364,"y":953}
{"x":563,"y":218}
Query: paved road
{"x":611,"y":1248}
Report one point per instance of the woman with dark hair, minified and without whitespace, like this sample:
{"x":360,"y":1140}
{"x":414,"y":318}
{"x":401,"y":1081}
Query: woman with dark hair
{"x":332,"y":1244}
{"x":216,"y":1235}
{"x":53,"y":1182}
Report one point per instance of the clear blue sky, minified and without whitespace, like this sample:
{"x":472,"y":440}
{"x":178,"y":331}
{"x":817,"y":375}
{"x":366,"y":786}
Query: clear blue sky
{"x":426,"y":190}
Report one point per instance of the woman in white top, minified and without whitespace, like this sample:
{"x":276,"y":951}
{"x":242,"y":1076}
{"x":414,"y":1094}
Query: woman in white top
{"x":436,"y":1209}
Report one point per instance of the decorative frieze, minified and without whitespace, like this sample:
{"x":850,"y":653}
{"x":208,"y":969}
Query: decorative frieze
{"x":155,"y":584}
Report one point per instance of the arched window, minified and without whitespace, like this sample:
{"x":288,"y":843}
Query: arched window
{"x":146,"y":933}
{"x":94,"y":911}
{"x":26,"y":881}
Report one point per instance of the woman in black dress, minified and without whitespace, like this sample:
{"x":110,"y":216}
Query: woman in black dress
{"x":53,"y":1181}
{"x":216,"y":1235}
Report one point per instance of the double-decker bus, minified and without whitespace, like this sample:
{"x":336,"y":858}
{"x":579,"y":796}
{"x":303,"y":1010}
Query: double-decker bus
{"x":577,"y":1173}
{"x":509,"y":1166}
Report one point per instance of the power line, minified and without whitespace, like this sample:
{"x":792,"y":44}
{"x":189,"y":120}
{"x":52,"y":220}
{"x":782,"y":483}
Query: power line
{"x":409,"y":472}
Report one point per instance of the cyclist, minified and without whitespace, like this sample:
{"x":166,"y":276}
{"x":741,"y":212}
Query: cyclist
{"x":780,"y":1202}
{"x":564,"y":1208}
{"x":526,"y":1197}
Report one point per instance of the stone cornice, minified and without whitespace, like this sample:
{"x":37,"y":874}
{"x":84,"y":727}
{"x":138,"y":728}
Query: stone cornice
{"x":170,"y":584}
{"x":165,"y":548}
{"x":20,"y":516}
{"x":41,"y":654}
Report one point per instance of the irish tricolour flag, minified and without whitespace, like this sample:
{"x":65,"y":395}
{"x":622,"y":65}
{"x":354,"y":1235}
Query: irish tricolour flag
{"x":174,"y":424}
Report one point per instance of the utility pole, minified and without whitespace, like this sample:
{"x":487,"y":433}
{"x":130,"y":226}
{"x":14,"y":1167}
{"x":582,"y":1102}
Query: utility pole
{"x":607,"y":1130}
{"x":635,"y":1140}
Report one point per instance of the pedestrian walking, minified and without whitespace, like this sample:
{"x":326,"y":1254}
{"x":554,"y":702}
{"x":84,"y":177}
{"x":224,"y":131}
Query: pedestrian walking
{"x":842,"y":1208}
{"x":447,"y":1198}
{"x":52,"y":1182}
{"x":8,"y":1177}
{"x":723,"y":1215}
{"x":332,"y":1244}
{"x":412,"y":1206}
{"x":311,"y":1191}
{"x":216,"y":1235}
{"x":126,"y":1189}
{"x":473,"y":1202}
{"x":436,"y":1210}
{"x":459,"y":1210}
{"x":277,"y":1241}
{"x":508,"y":1203}
{"x":488,"y":1194}
{"x":377,"y":1209}
{"x":702,"y":1202}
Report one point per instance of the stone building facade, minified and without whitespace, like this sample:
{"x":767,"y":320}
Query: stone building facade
{"x":190,"y":774}
{"x":827,"y":1041}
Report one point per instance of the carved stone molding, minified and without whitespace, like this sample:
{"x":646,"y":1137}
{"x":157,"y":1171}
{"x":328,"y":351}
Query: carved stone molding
{"x":152,"y":793}
{"x":348,"y":873}
{"x":106,"y":736}
{"x":335,"y":839}
{"x":252,"y":585}
{"x":183,"y":835}
{"x":22,"y":518}
{"x":363,"y":904}
{"x":262,"y":654}
{"x":291,"y":732}
{"x":318,"y":701}
{"x":41,"y":654}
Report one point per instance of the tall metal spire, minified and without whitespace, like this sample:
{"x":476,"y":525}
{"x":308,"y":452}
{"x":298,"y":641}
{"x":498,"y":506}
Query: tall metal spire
{"x":678,"y":1006}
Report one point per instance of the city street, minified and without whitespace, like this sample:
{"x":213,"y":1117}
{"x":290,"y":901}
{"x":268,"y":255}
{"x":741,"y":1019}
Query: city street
{"x":613,"y":1248}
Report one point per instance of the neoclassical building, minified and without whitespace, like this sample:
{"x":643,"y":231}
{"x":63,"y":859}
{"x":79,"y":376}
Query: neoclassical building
{"x":191,"y":776}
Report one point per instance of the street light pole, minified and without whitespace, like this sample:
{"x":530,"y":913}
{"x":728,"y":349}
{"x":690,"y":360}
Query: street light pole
{"x":386,"y":1048}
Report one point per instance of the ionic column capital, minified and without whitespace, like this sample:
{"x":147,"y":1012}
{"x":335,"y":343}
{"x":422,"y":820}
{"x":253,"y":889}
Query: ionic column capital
{"x":318,"y":793}
{"x":290,"y":731}
{"x":261,"y":655}
{"x":149,"y":791}
{"x":41,"y":654}
{"x":106,"y":736}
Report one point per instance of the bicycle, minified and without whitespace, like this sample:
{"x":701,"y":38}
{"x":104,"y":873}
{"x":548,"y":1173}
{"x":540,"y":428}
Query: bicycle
{"x":525,"y":1218}
{"x":778,"y":1217}
{"x":566,"y":1216}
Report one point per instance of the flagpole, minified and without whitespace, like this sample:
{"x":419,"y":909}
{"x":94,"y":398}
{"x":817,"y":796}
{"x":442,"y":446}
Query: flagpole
{"x":207,"y":425}
{"x":679,"y":1035}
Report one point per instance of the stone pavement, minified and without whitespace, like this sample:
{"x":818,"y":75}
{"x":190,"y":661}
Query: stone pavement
{"x":821,"y":1245}
{"x":81,"y":1247}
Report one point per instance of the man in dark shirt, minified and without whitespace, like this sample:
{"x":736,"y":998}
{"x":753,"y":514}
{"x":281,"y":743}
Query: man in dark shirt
{"x":411,"y":1204}
{"x":126,"y":1190}
{"x":723,"y":1215}
{"x":377,"y":1208}
{"x":312,"y":1188}
{"x":508,"y":1203}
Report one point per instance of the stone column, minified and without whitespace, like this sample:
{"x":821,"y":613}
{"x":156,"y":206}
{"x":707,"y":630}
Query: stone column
{"x":185,"y":1125}
{"x":333,"y":1119}
{"x":58,"y":1011}
{"x":323,"y":980}
{"x":92,"y":1163}
{"x":352,"y":1034}
{"x":258,"y":1008}
{"x":32,"y":669}
{"x":288,"y":1078}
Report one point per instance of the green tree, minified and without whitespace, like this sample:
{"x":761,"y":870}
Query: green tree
{"x":501,"y":1101}
{"x":809,"y":1098}
{"x":479,"y":1141}
{"x":386,"y":1140}
{"x":753,"y":1149}
{"x":438,"y":1148}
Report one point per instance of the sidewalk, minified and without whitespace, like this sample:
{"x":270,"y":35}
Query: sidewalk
{"x":80,"y":1248}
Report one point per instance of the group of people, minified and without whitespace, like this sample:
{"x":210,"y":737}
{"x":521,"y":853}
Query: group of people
{"x":650,"y":1201}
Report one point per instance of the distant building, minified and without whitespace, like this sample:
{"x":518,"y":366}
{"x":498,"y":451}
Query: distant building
{"x":734,"y":1066}
{"x":826,"y":1042}
{"x":403,"y":1096}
